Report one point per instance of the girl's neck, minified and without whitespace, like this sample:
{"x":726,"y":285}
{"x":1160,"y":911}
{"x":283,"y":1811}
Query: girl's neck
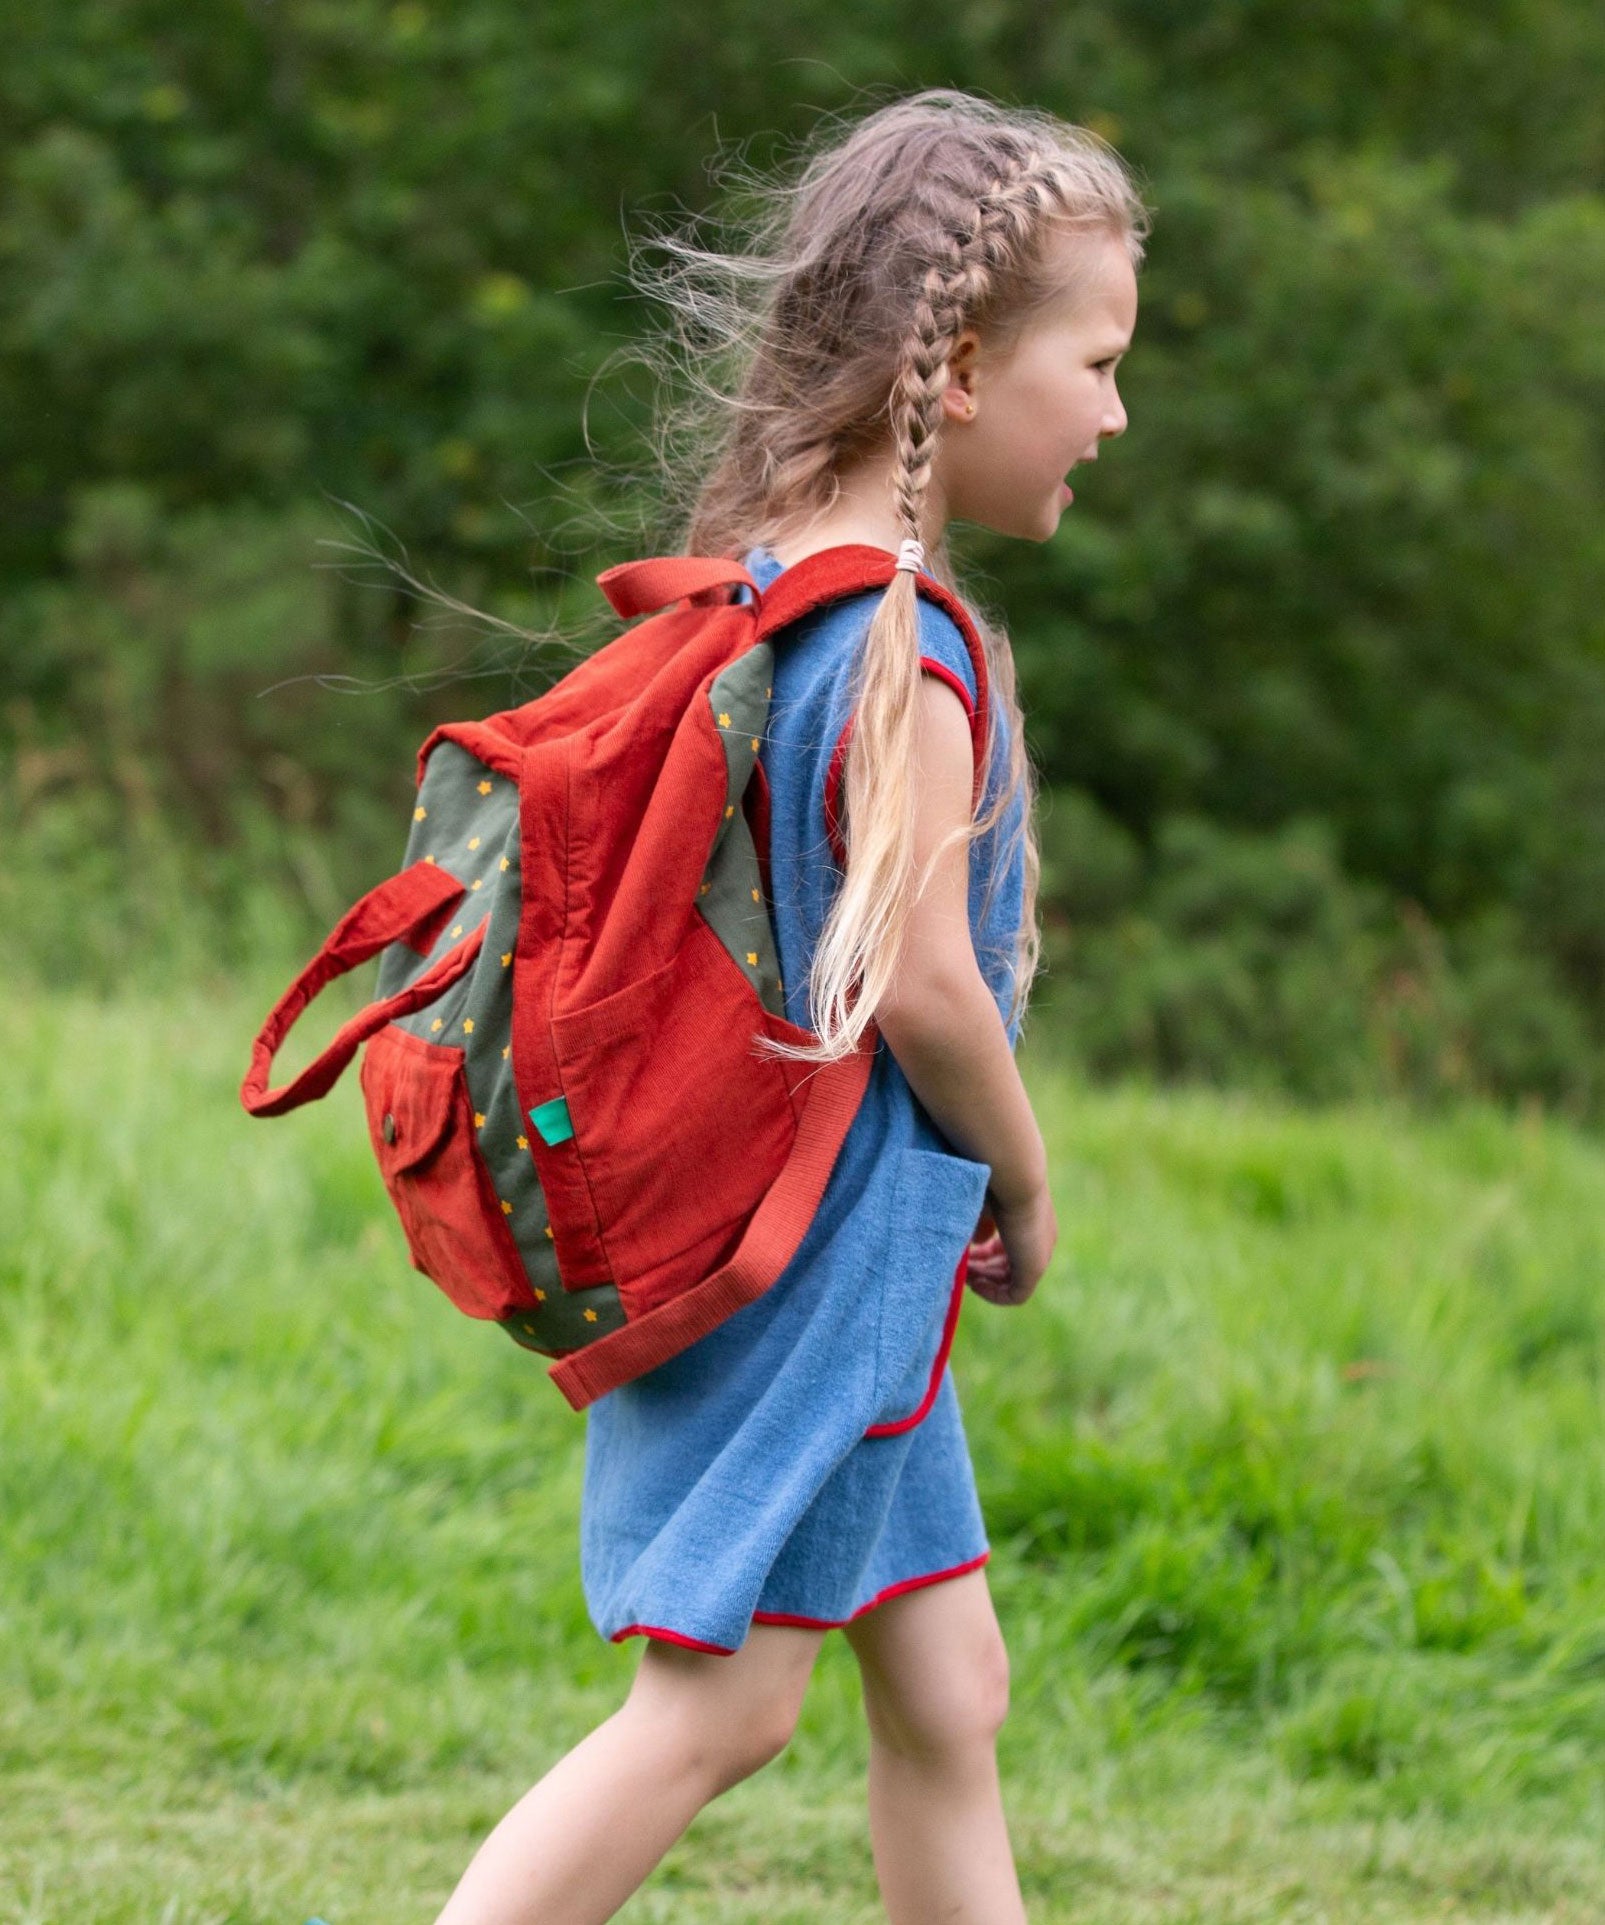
{"x":861,"y":512}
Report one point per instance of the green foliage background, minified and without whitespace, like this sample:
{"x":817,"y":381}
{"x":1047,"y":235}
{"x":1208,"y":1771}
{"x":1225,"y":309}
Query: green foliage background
{"x":1315,"y":667}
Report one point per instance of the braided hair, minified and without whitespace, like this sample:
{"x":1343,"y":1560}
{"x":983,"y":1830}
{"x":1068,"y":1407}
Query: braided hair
{"x":929,"y":216}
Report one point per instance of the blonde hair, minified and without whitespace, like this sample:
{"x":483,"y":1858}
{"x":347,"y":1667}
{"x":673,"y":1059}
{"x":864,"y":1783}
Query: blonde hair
{"x":817,"y":337}
{"x":833,"y":327}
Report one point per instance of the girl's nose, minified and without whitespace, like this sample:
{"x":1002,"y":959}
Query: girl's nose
{"x":1114,"y":422}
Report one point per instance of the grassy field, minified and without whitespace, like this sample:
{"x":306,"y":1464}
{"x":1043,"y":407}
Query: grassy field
{"x":1294,"y":1473}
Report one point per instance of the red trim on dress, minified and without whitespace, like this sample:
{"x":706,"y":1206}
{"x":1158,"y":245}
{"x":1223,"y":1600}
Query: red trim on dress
{"x":833,"y":783}
{"x":801,"y":1623}
{"x":955,"y":1304}
{"x":880,"y":1597}
{"x":929,"y":665}
{"x":941,"y":670}
{"x":671,"y":1637}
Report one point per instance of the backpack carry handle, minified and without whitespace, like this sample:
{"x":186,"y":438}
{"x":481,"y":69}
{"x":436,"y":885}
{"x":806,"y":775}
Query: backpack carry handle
{"x":642,"y":587}
{"x":410,"y":907}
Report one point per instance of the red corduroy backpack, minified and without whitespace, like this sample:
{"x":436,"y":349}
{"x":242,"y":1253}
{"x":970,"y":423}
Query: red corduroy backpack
{"x":560,"y":1077}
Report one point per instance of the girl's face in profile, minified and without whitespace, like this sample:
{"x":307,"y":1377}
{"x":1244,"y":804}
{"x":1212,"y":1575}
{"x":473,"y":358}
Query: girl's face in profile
{"x":1046,"y":405}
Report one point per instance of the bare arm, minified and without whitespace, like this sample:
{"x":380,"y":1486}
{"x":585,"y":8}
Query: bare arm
{"x":940,"y":1019}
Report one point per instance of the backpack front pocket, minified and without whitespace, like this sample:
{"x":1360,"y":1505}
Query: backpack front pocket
{"x":421,"y":1122}
{"x":677,"y":1122}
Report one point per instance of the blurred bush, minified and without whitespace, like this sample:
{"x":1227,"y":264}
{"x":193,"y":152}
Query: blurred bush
{"x":1321,"y":645}
{"x":1222,"y":956}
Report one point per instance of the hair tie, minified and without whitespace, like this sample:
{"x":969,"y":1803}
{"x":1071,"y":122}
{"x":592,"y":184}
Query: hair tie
{"x":911,"y":556}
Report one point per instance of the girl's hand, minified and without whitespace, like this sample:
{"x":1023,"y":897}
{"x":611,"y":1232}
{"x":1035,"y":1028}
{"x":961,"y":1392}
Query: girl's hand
{"x":1011,"y":1248}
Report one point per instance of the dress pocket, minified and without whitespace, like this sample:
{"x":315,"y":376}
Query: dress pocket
{"x":421,"y":1123}
{"x":935,"y":1205}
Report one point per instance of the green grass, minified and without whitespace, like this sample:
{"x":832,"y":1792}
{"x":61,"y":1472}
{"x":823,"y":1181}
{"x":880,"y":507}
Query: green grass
{"x":1294,"y":1470}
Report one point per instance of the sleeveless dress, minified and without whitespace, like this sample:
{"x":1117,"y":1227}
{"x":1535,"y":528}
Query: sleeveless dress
{"x":806,"y":1460}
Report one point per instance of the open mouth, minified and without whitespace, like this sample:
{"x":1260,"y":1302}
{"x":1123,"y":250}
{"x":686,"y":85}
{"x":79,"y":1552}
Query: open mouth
{"x":1067,"y":494}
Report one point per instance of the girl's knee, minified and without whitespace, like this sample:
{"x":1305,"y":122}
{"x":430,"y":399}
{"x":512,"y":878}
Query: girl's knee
{"x":977,"y":1701}
{"x":723,"y":1746}
{"x":742,"y":1748}
{"x":721,"y":1723}
{"x":991,"y":1685}
{"x":957,"y":1713}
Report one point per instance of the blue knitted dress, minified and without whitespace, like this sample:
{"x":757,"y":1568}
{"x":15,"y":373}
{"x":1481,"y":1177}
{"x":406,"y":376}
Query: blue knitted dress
{"x":806,"y":1460}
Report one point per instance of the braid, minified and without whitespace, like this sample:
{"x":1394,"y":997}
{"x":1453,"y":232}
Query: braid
{"x":859,"y":948}
{"x":927,"y":218}
{"x":916,"y":406}
{"x":1004,"y":217}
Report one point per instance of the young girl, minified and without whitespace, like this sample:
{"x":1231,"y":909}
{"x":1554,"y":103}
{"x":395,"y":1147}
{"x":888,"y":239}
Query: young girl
{"x":950,"y":289}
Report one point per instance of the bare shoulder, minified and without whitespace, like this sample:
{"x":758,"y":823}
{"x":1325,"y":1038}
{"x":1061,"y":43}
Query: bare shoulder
{"x":943,"y":769}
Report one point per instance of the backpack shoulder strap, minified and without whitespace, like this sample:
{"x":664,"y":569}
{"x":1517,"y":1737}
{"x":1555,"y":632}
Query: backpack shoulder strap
{"x":848,"y":569}
{"x":641,"y":587}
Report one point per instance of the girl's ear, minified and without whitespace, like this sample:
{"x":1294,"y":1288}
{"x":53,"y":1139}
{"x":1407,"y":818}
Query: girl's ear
{"x":958,"y":398}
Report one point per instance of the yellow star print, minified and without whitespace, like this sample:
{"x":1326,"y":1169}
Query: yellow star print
{"x":438,"y":1023}
{"x":479,"y":1119}
{"x":549,"y":1232}
{"x":752,"y":957}
{"x":724,"y":719}
{"x":540,"y":1296}
{"x":590,"y":1316}
{"x":523,"y":1142}
{"x":484,"y":788}
{"x":507,"y":958}
{"x":457,"y":932}
{"x":473,"y":842}
{"x":419,"y":814}
{"x":468,"y":1025}
{"x":507,"y":1208}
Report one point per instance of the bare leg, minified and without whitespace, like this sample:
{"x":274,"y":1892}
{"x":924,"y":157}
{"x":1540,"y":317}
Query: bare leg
{"x":576,"y":1845}
{"x":936,"y":1688}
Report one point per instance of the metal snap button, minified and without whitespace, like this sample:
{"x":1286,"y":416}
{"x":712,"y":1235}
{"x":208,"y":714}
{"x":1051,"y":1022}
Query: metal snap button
{"x":387,"y":1129}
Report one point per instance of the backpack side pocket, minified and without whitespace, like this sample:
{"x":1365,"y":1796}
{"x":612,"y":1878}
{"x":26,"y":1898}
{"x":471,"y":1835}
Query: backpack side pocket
{"x":421,"y":1123}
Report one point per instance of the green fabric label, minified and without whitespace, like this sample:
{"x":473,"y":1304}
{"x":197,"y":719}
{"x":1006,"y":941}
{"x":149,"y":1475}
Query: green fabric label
{"x":553,"y":1120}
